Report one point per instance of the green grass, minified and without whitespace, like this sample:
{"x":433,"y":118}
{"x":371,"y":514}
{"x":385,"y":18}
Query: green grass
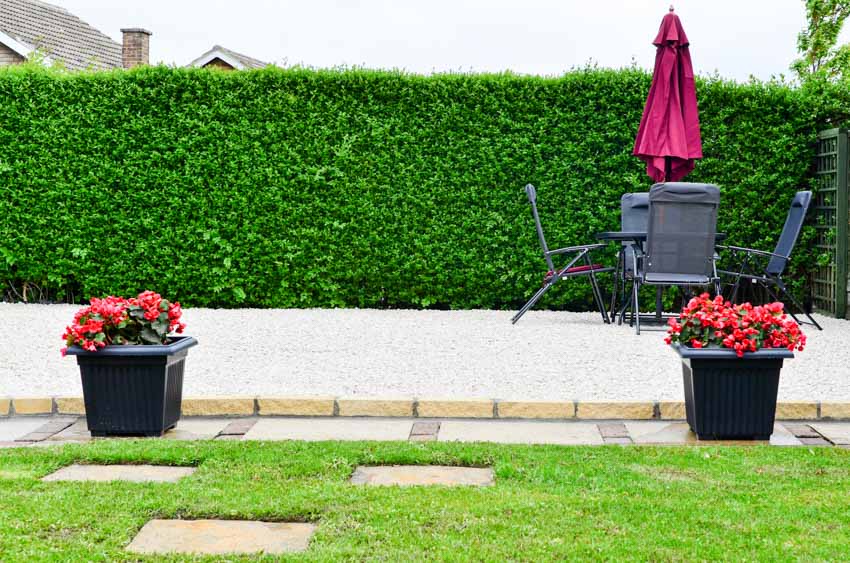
{"x":620,"y":503}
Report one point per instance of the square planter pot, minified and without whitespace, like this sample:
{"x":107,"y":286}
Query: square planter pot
{"x":727,"y":397}
{"x":133,"y":389}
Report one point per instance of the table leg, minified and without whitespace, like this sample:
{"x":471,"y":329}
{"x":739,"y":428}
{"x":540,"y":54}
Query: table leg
{"x":658,"y":305}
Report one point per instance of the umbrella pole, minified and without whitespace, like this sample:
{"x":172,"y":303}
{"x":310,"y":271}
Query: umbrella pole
{"x":659,"y":290}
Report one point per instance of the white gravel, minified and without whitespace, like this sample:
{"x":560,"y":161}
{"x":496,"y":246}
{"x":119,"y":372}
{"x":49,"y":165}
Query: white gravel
{"x":425,"y":354}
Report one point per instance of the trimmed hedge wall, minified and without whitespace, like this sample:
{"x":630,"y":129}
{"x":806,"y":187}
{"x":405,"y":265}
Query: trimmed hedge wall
{"x":355,"y":188}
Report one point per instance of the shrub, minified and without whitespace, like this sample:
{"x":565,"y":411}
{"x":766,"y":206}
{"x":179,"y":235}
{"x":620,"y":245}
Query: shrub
{"x":351,"y":188}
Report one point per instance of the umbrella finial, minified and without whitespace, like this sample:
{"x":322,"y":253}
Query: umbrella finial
{"x":671,"y":7}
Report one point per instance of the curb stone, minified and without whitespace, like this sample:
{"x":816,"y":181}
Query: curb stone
{"x":425,"y":408}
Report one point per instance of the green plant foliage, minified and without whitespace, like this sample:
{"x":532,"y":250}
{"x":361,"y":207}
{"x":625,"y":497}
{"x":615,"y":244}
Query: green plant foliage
{"x":353,"y":188}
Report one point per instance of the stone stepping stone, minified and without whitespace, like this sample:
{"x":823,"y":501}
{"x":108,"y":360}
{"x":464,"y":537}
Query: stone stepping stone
{"x":520,"y":432}
{"x":836,"y":432}
{"x":220,"y":537}
{"x":197,"y":429}
{"x":133,"y":473}
{"x":679,"y":433}
{"x":407,"y":475}
{"x":14,"y":428}
{"x":315,"y":429}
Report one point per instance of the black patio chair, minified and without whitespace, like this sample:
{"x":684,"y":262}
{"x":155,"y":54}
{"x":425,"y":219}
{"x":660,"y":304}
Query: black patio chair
{"x":578,"y":264}
{"x":634,"y":217}
{"x":679,"y":248}
{"x":766,"y":268}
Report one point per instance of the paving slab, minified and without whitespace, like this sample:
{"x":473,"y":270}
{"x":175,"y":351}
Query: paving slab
{"x":77,"y":432}
{"x":238,"y":427}
{"x":133,"y":473}
{"x":837,"y":432}
{"x":679,"y":433}
{"x":316,"y":429}
{"x":519,"y":432}
{"x":197,"y":429}
{"x":48,"y":429}
{"x":408,"y":475}
{"x":16,"y":427}
{"x":221,"y":537}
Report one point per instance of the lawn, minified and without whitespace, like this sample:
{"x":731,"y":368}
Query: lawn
{"x":621,"y":503}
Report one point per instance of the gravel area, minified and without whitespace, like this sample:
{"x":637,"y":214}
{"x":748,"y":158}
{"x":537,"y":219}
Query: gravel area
{"x":426,"y":354}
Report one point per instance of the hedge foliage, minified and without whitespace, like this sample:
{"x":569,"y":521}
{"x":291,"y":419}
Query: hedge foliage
{"x":355,"y":188}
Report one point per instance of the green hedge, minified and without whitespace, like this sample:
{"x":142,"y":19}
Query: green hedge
{"x":356,"y":188}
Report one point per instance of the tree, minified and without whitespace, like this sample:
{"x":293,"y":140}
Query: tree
{"x":817,"y":42}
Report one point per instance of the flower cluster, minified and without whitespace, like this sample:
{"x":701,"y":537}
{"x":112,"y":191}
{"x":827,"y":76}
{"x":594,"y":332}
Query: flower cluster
{"x":146,"y":319}
{"x":743,"y":328}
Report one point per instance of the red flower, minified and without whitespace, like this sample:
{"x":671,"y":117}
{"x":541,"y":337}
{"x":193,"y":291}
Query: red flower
{"x":109,"y":320}
{"x":742,"y":328}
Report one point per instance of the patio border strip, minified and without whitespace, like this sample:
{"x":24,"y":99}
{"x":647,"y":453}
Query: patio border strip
{"x":424,"y":408}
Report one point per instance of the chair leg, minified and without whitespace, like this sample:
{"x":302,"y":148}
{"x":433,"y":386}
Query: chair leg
{"x":597,"y":293}
{"x":735,"y":289}
{"x":597,"y":296}
{"x":796,"y":304}
{"x":616,"y":285}
{"x":636,"y":305}
{"x":534,"y":299}
{"x":627,"y":300}
{"x":658,"y":306}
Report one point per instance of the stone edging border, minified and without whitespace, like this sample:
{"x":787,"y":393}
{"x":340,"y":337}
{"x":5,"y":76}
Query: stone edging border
{"x":426,"y":408}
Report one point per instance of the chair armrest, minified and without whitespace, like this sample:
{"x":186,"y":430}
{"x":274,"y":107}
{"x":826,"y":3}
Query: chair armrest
{"x":568,"y":249}
{"x":751,"y":251}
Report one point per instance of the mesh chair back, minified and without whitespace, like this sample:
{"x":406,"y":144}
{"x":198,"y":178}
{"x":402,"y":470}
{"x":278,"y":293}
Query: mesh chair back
{"x":634,"y":212}
{"x":682,"y":226}
{"x":790,"y":232}
{"x":532,"y":199}
{"x":634,"y":217}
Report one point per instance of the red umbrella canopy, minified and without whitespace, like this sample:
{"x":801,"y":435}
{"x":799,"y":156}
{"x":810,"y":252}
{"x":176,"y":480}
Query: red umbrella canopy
{"x":668,"y":139}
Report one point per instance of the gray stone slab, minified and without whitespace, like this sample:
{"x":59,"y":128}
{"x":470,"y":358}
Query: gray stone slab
{"x":239,"y":427}
{"x":678,"y":433}
{"x":802,"y":430}
{"x":519,"y":432}
{"x":613,"y":430}
{"x":48,"y":429}
{"x":316,"y":429}
{"x":407,"y":475}
{"x":197,"y":429}
{"x":77,"y":432}
{"x":221,"y":537}
{"x":836,"y":432}
{"x":134,"y":473}
{"x":429,"y":428}
{"x":13,"y":428}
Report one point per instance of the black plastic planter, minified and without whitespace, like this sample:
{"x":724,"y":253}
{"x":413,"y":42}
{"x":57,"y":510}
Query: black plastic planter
{"x":134,"y":389}
{"x":727,"y":397}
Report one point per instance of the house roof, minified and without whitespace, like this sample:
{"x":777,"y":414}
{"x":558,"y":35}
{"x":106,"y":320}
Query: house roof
{"x":60,"y":34}
{"x":234,"y":59}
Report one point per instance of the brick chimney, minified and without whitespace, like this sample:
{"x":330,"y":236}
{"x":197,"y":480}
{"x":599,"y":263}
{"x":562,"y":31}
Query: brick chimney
{"x":136,"y":49}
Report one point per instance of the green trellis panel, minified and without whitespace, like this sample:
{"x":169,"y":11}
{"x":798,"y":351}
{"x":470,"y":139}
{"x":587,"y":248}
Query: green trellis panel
{"x":831,"y":210}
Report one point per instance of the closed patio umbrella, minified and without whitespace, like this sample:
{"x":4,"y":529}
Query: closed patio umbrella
{"x":668,"y":139}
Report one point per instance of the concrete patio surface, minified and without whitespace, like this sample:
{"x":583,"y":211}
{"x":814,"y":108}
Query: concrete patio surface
{"x":42,"y":431}
{"x":553,"y":356}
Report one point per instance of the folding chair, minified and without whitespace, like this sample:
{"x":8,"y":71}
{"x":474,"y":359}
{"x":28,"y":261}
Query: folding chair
{"x":679,"y":248}
{"x":634,"y":217}
{"x":769,"y":276}
{"x":574,"y":254}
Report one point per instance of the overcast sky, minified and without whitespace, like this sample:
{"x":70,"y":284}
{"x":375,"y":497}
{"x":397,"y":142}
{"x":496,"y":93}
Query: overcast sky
{"x":736,"y":38}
